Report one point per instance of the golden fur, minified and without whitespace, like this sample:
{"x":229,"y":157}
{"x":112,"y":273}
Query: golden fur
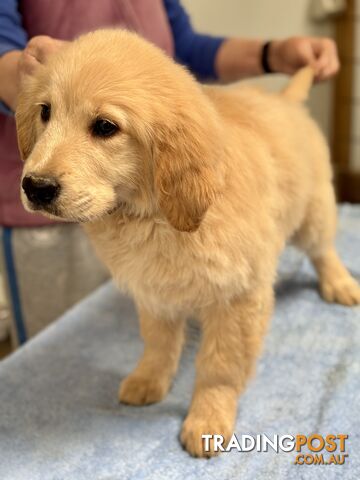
{"x":189,"y":205}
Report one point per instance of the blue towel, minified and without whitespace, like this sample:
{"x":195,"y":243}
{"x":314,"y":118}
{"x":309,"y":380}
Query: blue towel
{"x":60,"y":419}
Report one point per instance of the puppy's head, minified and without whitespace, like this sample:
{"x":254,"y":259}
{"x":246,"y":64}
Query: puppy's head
{"x":111,"y":122}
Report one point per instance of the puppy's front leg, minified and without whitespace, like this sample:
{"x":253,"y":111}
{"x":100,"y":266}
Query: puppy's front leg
{"x":151,"y":379}
{"x":232,"y":337}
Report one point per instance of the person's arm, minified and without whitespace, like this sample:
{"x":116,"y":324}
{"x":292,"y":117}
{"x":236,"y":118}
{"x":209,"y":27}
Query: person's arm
{"x":12,"y":40}
{"x":239,"y":58}
{"x":230,"y":59}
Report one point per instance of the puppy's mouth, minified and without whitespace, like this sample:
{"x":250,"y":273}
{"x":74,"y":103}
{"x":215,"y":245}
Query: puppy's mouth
{"x":50,"y":211}
{"x":58,"y":213}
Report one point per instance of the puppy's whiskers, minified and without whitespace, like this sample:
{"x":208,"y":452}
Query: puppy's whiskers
{"x":83,"y":203}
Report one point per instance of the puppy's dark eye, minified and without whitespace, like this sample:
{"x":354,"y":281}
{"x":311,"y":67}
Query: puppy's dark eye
{"x":104,"y":128}
{"x":45,"y":112}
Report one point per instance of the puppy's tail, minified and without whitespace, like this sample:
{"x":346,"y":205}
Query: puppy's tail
{"x":299,"y":87}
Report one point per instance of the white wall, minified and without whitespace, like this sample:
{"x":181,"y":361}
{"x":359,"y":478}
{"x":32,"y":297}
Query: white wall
{"x":266,"y":19}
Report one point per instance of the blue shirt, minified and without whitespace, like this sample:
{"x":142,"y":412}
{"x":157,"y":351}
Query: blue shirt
{"x":194,"y":50}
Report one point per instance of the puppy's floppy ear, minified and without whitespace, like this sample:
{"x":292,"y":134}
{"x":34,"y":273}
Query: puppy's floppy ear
{"x":25,"y":117}
{"x":186,"y":181}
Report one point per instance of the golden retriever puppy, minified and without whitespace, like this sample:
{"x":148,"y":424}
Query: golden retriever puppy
{"x":189,"y":194}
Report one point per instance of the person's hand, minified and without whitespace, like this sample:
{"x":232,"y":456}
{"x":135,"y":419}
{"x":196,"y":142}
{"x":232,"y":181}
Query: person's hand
{"x":287,"y":56}
{"x":36,"y":52}
{"x":17,"y":64}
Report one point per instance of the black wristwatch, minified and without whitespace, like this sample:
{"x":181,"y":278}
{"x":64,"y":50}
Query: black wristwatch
{"x":265,"y":58}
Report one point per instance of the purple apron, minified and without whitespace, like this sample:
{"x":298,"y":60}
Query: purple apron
{"x":65,"y":20}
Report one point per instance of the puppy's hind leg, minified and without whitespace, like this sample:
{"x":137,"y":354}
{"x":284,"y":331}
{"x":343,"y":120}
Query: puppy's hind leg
{"x":316,"y":237}
{"x":151,"y":379}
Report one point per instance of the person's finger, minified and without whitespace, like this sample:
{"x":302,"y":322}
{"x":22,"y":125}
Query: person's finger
{"x":41,"y":47}
{"x":35,"y":54}
{"x":321,"y":57}
{"x":35,"y":48}
{"x":327,"y":63}
{"x":28,"y":64}
{"x":323,"y":66}
{"x":306,"y":54}
{"x":334,"y":62}
{"x":331,"y":70}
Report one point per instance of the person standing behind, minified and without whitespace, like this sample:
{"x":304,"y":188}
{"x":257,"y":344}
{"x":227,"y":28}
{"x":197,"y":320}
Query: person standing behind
{"x":51,"y":265}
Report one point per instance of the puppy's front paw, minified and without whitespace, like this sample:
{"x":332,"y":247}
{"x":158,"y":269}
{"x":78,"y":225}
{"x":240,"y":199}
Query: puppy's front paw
{"x":344,"y":290}
{"x":136,"y":390}
{"x":195,"y":426}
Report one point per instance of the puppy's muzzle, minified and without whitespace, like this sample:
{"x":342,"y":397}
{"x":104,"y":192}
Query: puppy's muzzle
{"x":40,"y":191}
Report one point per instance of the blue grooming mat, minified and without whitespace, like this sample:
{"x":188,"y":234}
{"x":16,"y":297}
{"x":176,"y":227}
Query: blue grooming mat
{"x":60,"y":419}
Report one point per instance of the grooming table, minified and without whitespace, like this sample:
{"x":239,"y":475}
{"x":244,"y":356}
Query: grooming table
{"x":60,"y":419}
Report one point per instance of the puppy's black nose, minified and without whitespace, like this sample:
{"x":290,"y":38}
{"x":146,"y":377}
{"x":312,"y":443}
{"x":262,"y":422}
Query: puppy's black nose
{"x":40,"y":191}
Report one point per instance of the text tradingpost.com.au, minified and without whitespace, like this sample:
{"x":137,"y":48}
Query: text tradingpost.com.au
{"x":314,"y":449}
